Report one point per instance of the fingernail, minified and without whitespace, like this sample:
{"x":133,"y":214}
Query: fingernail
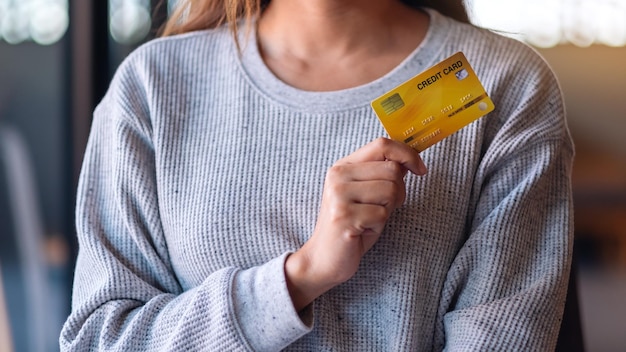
{"x":421,"y":168}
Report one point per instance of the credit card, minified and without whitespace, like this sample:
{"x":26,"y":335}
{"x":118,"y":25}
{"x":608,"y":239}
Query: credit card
{"x":434,"y":104}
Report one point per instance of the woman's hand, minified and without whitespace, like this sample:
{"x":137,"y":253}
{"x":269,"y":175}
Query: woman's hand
{"x":360,"y":193}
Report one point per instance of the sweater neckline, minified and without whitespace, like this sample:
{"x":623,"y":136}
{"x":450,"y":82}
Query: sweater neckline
{"x":267,"y":84}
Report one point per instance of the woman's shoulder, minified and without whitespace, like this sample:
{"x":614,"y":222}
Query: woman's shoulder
{"x":162,"y":62}
{"x":186,"y":47}
{"x":517,"y":78}
{"x":154,"y":68}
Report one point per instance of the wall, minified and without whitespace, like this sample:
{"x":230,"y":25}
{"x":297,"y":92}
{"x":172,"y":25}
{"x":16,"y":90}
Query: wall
{"x":594,"y":85}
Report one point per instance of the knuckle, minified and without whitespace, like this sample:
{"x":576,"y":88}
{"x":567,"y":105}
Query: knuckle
{"x":394,"y":168}
{"x":389,"y":189}
{"x":381,"y":214}
{"x":395,"y":189}
{"x":336,"y":170}
{"x":340,"y":215}
{"x":384,"y":189}
{"x":400,"y":186}
{"x":335,"y":187}
{"x":382,"y":142}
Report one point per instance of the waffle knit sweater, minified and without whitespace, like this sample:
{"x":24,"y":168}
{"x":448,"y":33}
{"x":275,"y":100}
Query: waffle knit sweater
{"x":203,"y":171}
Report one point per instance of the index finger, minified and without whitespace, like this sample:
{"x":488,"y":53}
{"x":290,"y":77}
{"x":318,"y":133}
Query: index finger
{"x":382,"y":149}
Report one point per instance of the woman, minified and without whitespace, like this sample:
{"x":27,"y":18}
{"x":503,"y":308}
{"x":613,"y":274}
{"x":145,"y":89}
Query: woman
{"x":230,"y":200}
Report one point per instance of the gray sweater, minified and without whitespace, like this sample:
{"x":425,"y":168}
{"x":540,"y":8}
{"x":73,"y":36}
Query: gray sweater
{"x":203,"y":171}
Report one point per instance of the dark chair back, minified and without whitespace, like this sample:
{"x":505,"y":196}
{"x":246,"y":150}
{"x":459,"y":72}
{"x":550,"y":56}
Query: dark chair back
{"x":571,"y":335}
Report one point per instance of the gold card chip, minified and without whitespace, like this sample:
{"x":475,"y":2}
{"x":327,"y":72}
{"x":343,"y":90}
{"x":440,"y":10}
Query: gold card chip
{"x":392,"y":104}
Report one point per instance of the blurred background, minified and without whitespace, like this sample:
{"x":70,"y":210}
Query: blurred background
{"x":57,"y":58}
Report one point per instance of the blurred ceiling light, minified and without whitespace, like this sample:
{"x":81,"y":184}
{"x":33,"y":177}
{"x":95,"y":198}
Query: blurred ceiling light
{"x":48,"y":23}
{"x":544,"y":29}
{"x":611,"y":29}
{"x":43,"y":21}
{"x":14,"y":27}
{"x":546,"y":23}
{"x":130,"y":20}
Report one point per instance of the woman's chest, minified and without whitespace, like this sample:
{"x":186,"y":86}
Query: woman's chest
{"x":242,"y":190}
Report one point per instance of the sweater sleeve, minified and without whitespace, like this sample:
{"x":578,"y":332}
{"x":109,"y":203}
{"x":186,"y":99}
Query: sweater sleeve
{"x":506,"y":288}
{"x":126,"y":292}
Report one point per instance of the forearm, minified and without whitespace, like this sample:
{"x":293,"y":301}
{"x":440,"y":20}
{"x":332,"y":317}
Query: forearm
{"x":243,"y":309}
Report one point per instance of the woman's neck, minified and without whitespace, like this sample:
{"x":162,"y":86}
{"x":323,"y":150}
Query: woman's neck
{"x":337,"y":44}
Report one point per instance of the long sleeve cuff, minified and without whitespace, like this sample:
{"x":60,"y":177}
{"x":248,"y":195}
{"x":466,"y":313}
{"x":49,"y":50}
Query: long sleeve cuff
{"x":264,"y":310}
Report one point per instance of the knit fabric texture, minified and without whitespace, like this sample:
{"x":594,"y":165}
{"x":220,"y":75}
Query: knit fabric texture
{"x":203,"y":171}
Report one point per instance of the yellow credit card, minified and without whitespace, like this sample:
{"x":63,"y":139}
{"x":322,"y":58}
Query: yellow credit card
{"x":434,"y":104}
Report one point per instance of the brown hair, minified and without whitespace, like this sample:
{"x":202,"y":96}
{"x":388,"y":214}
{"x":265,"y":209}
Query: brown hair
{"x":191,"y":15}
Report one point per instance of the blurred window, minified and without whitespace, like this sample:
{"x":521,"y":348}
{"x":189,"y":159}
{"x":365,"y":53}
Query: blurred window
{"x":546,"y":23}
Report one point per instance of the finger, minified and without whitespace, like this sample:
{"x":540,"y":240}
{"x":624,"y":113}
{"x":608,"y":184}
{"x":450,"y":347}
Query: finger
{"x":389,"y":194}
{"x":368,"y":171}
{"x":369,"y":218}
{"x":383,"y":149}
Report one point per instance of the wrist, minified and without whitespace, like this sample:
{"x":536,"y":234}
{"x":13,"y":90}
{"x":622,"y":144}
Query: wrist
{"x":301,"y":283}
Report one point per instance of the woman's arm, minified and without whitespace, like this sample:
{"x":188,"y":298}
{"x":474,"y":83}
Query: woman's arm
{"x":506,"y":288}
{"x":126,"y":293}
